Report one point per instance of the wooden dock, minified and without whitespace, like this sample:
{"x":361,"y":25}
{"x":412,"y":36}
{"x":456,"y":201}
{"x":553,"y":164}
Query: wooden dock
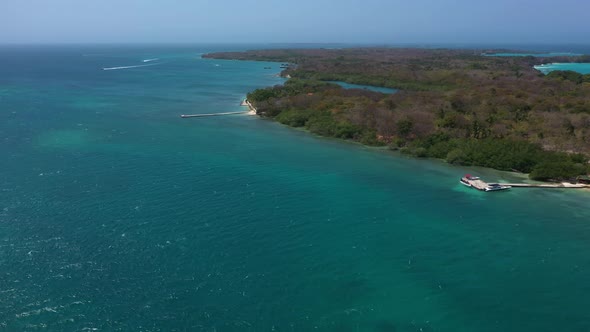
{"x":563,"y":185}
{"x":244,"y":102}
{"x":212,"y":114}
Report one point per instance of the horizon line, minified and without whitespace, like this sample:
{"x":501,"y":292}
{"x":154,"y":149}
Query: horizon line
{"x":289,"y":43}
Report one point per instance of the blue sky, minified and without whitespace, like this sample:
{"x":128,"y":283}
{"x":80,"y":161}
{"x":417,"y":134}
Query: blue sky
{"x":310,"y":21}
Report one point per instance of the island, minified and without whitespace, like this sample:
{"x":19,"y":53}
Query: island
{"x":456,"y":105}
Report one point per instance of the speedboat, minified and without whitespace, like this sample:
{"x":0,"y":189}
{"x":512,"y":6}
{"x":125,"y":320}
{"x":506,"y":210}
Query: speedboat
{"x":464,"y":182}
{"x":496,"y":187}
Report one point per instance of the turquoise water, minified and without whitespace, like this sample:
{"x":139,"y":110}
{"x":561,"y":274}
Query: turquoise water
{"x":116,"y":214}
{"x":364,"y":87}
{"x":582,"y":68}
{"x":539,"y":55}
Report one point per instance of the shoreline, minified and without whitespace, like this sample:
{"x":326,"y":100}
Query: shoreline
{"x":357,"y":131}
{"x":549,"y":67}
{"x":251,"y":108}
{"x":526,"y":182}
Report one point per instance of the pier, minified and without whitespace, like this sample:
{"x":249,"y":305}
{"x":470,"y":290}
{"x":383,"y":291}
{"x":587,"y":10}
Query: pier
{"x":245,"y":102}
{"x":563,"y":185}
{"x":211,"y":114}
{"x":479,"y":184}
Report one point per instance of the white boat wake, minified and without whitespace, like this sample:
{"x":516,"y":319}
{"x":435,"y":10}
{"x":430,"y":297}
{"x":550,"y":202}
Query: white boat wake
{"x":127,"y":67}
{"x":150,"y":60}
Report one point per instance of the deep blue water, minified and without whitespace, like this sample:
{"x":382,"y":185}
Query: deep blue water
{"x":118,"y":215}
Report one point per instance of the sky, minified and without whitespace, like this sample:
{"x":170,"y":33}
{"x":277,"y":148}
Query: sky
{"x":301,"y":21}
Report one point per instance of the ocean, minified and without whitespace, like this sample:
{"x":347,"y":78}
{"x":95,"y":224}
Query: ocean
{"x":118,"y":215}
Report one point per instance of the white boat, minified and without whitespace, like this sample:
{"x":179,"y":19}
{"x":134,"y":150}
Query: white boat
{"x":496,"y":187}
{"x":466,"y":178}
{"x":465,"y":182}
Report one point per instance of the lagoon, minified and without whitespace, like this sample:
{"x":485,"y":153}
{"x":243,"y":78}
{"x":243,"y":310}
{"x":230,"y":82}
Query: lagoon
{"x":582,"y":68}
{"x":364,"y":87}
{"x":539,"y":55}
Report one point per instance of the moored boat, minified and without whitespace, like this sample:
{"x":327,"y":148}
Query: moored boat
{"x":476,"y":183}
{"x":496,"y":187}
{"x":464,"y":182}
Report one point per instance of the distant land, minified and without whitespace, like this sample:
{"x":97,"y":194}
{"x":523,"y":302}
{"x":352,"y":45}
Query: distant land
{"x":457,"y":105}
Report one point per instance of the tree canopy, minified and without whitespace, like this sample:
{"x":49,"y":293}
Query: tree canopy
{"x":453,"y":104}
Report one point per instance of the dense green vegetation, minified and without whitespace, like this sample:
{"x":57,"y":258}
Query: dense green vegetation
{"x":319,"y":119}
{"x":454,"y":105}
{"x":502,"y":154}
{"x":569,"y":76}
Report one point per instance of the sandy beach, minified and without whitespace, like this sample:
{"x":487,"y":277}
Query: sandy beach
{"x":245,"y":102}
